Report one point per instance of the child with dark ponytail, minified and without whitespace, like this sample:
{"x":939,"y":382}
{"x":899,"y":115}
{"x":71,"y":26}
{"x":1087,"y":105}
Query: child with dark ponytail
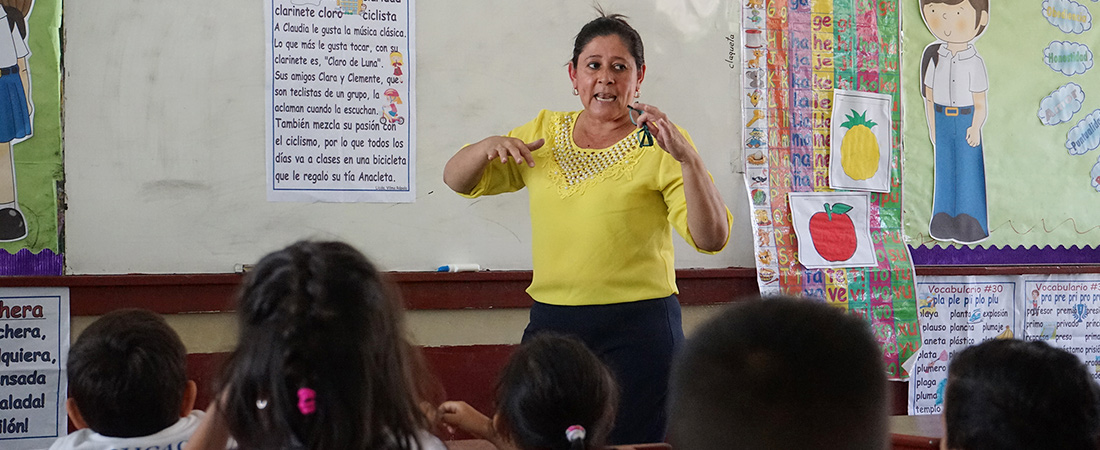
{"x":322,"y":362}
{"x":553,"y":394}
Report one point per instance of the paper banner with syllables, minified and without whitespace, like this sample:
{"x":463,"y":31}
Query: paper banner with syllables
{"x":794,"y":55}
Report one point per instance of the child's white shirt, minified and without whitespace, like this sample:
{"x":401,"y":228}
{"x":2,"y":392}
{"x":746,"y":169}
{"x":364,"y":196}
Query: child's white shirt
{"x":172,"y":438}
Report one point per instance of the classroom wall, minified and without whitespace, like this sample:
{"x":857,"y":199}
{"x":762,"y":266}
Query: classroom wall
{"x":217,"y":332}
{"x":164,"y":130}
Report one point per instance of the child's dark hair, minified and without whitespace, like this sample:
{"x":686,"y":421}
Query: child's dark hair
{"x":318,"y":317}
{"x":552,"y":383}
{"x":1012,"y":394}
{"x":608,"y":25}
{"x":128,"y":373}
{"x":776,"y":373}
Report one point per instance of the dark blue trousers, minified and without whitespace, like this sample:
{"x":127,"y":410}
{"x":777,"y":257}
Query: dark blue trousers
{"x":637,"y":341}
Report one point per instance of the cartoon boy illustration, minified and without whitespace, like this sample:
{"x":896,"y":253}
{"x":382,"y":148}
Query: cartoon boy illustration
{"x":954,"y":83}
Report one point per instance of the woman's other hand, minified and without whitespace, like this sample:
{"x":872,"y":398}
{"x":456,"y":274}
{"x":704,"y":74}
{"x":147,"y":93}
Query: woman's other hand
{"x":464,"y":169}
{"x":707,"y":220}
{"x":665,"y":133}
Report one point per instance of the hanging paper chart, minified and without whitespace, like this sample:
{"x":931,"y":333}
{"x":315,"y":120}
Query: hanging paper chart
{"x":795,"y":55}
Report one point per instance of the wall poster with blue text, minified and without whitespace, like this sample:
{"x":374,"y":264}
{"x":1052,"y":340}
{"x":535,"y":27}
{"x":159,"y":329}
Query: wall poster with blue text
{"x":957,"y":312}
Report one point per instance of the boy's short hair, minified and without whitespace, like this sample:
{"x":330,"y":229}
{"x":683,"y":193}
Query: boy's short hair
{"x":127,"y":374}
{"x":1012,"y":394}
{"x":780,"y":373}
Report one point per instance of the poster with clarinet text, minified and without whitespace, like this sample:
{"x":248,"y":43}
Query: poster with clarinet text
{"x":341,"y":101}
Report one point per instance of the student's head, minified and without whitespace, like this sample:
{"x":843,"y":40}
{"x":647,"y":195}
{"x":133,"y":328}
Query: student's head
{"x":322,"y":359}
{"x":127,"y":375}
{"x":779,"y":373}
{"x":550,"y":384}
{"x":1010,"y":394}
{"x":955,"y":21}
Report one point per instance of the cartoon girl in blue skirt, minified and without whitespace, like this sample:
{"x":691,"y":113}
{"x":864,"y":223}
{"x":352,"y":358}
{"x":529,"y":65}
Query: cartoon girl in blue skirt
{"x":15,"y":112}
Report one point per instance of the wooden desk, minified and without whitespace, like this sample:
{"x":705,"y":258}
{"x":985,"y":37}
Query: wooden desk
{"x":916,"y":432}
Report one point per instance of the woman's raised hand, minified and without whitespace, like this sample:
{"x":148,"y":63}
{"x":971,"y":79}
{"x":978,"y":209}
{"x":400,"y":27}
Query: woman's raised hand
{"x":464,"y":169}
{"x":504,"y":147}
{"x":664,"y":132}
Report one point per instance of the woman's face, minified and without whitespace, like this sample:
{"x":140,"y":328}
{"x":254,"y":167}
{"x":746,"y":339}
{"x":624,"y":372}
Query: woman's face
{"x":606,"y":77}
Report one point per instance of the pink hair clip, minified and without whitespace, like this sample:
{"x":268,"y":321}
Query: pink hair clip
{"x":307,"y":402}
{"x":574,"y":433}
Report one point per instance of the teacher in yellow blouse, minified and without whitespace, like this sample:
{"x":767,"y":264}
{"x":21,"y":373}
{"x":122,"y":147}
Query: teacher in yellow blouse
{"x":607,"y":186}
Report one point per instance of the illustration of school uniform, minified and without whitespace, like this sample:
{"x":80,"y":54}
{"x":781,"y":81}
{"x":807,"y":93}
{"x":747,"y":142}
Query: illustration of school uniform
{"x":959,"y":210}
{"x":15,"y":118}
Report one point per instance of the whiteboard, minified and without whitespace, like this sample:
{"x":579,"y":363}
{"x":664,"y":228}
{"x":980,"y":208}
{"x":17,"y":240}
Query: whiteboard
{"x":164,"y":130}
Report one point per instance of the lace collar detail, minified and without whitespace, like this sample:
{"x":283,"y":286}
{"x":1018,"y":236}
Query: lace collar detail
{"x":574,"y":168}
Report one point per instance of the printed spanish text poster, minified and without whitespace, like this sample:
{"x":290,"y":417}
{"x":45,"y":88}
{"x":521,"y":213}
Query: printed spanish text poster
{"x":34,"y":346}
{"x":1064,"y":310}
{"x":954,"y":313}
{"x":341,"y":101}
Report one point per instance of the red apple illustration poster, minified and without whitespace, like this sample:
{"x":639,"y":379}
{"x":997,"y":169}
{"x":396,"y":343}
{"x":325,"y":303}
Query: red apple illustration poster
{"x":833,"y":229}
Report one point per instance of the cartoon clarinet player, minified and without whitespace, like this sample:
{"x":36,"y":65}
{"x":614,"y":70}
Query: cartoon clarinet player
{"x":955,"y":83}
{"x":396,"y":62}
{"x":15,"y":112}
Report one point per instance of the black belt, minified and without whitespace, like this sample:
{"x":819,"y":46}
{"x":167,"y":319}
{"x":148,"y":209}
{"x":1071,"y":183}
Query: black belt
{"x":9,"y":70}
{"x":951,"y":111}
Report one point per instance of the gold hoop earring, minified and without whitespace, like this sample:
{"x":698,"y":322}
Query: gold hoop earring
{"x":576,"y":92}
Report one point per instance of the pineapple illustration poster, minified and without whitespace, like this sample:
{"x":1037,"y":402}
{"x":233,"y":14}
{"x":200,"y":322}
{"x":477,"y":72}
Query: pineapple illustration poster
{"x":833,"y":229}
{"x":860,"y":148}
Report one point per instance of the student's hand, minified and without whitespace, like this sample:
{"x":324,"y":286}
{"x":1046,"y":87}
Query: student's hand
{"x":974,"y":136}
{"x":460,"y":415}
{"x":464,"y":417}
{"x":435,"y":419}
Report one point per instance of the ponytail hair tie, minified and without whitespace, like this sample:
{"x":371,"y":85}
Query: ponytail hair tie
{"x":574,"y":433}
{"x":307,"y":401}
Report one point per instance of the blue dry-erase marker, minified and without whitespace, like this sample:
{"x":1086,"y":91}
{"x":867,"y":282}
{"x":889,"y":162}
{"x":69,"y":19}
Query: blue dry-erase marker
{"x":459,"y":268}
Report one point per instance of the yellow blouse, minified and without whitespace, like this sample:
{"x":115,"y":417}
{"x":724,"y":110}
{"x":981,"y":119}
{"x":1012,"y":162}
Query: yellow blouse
{"x":601,"y":220}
